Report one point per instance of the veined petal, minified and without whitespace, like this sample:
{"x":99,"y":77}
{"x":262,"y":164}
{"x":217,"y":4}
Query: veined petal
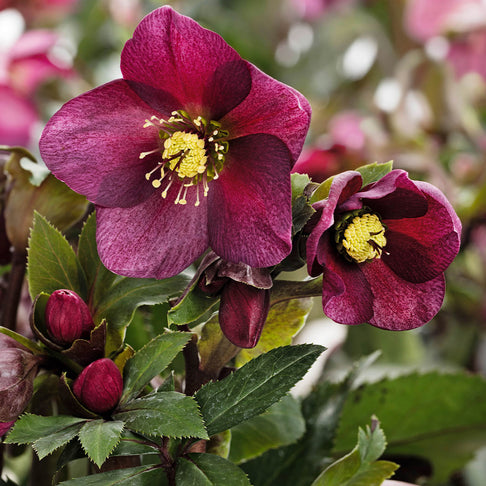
{"x":174,"y":53}
{"x":243,"y":312}
{"x":399,"y":305}
{"x":249,"y":205}
{"x":155,"y":239}
{"x":343,"y":186}
{"x":273,"y":108}
{"x":346,"y":294}
{"x":419,"y":249}
{"x":94,"y":141}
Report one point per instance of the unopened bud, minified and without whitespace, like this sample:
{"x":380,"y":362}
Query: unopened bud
{"x":99,"y":386}
{"x":67,"y":317}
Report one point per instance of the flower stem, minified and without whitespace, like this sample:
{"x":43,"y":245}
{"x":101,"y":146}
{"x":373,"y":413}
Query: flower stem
{"x":194,"y":377}
{"x":283,"y":290}
{"x":11,"y":299}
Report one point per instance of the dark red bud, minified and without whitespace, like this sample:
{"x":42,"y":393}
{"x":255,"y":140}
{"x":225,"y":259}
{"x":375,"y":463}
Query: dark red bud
{"x":67,"y":317}
{"x":5,"y":427}
{"x":99,"y":386}
{"x":18,"y":367}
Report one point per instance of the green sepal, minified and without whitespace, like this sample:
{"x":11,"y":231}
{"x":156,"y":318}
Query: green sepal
{"x":374,"y":172}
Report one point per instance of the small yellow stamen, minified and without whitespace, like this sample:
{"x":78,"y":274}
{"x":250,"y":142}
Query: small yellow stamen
{"x":364,"y":238}
{"x":186,"y":153}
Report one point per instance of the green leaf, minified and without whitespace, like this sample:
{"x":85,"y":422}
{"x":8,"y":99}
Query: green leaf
{"x":300,"y":463}
{"x":169,"y":414}
{"x":52,"y":263}
{"x":99,"y":438}
{"x":253,"y":388}
{"x":374,"y":172}
{"x":119,"y":302}
{"x":98,"y":276}
{"x":280,"y":425}
{"x":209,"y":470}
{"x":301,"y":207}
{"x":46,"y":434}
{"x":440,"y":417}
{"x":151,"y":360}
{"x":193,"y":306}
{"x":360,"y":467}
{"x":132,"y":444}
{"x":284,"y":321}
{"x":134,"y":476}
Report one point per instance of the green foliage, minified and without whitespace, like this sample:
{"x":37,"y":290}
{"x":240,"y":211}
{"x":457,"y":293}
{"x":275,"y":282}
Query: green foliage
{"x":360,"y":467}
{"x":151,"y":360}
{"x":52,"y":262}
{"x":300,"y":463}
{"x":46,"y":434}
{"x":301,"y":208}
{"x":99,"y":438}
{"x":134,"y":476}
{"x":209,"y":470}
{"x":440,"y":417}
{"x":374,"y":172}
{"x":280,"y":425}
{"x":169,"y":414}
{"x":253,"y":388}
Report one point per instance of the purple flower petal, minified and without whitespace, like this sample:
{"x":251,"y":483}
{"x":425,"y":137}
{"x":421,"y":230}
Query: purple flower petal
{"x":399,"y":305}
{"x":346,"y":294}
{"x":174,"y":53}
{"x":343,"y":186}
{"x":249,"y":205}
{"x":394,"y":196}
{"x":273,"y":108}
{"x":419,"y":249}
{"x":94,"y":141}
{"x":243,"y":312}
{"x":156,"y":239}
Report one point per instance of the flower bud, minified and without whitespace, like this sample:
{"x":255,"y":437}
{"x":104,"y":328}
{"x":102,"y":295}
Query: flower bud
{"x":99,"y":386}
{"x":18,"y":367}
{"x":67,"y":317}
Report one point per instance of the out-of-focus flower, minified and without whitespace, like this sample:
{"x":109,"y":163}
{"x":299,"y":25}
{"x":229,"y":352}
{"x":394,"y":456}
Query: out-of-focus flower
{"x":382,"y":250}
{"x":344,"y":149}
{"x":23,"y":67}
{"x":192,"y":149}
{"x":67,"y":317}
{"x":40,"y":10}
{"x":245,"y":297}
{"x":99,"y":386}
{"x":463,"y":21}
{"x":313,"y":9}
{"x":18,"y":367}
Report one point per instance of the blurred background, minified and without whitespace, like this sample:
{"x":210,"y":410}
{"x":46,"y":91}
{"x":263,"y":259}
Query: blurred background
{"x":401,"y":80}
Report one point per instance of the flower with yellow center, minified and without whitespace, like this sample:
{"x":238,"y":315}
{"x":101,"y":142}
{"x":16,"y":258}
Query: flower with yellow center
{"x":360,"y":236}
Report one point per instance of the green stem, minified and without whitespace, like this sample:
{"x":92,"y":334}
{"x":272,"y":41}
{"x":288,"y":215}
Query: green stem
{"x":283,"y":290}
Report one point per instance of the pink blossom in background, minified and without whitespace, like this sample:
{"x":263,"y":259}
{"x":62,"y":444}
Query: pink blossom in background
{"x":465,"y":19}
{"x":313,"y":9}
{"x":40,"y":10}
{"x":23,"y":68}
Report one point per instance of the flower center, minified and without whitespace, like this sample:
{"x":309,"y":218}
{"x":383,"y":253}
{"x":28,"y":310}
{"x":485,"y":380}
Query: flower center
{"x":360,"y":236}
{"x":193,"y":152}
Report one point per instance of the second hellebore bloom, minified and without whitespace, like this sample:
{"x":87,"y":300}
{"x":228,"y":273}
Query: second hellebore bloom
{"x":382,"y":250}
{"x":191,"y":149}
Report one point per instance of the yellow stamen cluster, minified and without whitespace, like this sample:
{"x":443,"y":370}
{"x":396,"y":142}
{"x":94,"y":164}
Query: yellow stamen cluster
{"x":364,"y":238}
{"x":192,"y":148}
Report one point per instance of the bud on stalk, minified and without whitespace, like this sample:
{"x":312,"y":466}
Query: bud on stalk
{"x":67,"y":317}
{"x":99,"y":386}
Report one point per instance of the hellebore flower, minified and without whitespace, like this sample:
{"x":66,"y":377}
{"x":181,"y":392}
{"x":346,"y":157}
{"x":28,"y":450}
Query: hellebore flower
{"x":191,"y":149}
{"x":18,"y":367}
{"x":382,"y":250}
{"x":245,"y":297}
{"x":99,"y":386}
{"x":67,"y":317}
